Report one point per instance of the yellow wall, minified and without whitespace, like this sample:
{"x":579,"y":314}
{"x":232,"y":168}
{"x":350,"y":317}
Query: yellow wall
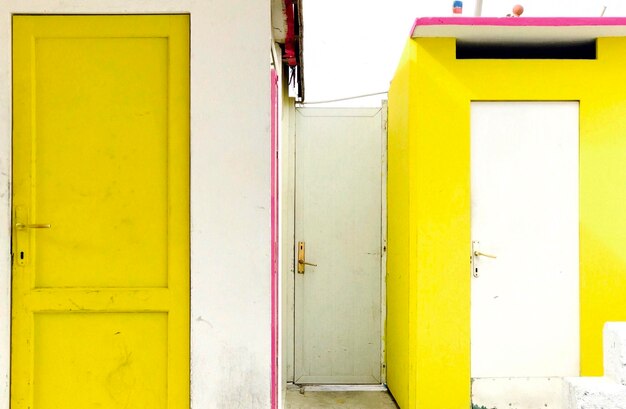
{"x":397,"y":331}
{"x":428,"y":283}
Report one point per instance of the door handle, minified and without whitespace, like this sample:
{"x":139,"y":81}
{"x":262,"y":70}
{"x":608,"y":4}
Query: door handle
{"x":475,"y":254}
{"x":32,"y":226}
{"x":301,"y":262}
{"x":478,"y":253}
{"x":21,"y":237}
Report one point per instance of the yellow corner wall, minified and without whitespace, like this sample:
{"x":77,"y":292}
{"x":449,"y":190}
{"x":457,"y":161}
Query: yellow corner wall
{"x":397,"y":331}
{"x":428,"y":282}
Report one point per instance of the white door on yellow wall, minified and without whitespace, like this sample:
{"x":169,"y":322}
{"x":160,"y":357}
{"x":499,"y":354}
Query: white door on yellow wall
{"x":525,"y":288}
{"x":338,"y":223}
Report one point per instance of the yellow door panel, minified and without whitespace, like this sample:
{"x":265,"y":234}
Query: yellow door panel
{"x":126,"y":372}
{"x":101,"y":212}
{"x":97,"y":113}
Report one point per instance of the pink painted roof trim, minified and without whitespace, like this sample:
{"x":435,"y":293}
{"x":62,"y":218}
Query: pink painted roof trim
{"x":519,"y":21}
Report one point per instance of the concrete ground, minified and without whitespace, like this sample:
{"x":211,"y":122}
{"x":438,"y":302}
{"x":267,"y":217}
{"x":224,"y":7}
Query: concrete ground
{"x":338,"y":400}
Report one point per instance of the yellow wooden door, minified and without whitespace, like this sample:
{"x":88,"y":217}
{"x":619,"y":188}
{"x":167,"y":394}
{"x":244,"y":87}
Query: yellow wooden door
{"x":101,"y":155}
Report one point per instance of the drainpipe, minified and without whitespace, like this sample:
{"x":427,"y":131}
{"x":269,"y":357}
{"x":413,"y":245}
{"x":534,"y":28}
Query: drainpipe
{"x":479,"y":8}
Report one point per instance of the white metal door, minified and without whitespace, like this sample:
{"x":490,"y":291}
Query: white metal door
{"x":525,"y":302}
{"x":339,"y":180}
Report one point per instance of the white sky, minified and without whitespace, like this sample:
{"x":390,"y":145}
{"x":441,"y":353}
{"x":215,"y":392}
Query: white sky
{"x":352,"y":47}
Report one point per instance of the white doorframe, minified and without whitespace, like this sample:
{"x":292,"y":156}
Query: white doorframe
{"x":383,"y":250}
{"x":290,"y":273}
{"x":236,"y":341}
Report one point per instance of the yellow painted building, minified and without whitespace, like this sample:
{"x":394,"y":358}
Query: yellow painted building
{"x":450,"y":67}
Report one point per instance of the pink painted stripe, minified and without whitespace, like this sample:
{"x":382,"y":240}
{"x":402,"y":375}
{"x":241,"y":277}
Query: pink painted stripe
{"x":519,"y":21}
{"x":274,"y":237}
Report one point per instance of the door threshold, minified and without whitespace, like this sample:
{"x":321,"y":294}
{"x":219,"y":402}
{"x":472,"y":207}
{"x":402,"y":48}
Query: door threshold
{"x":338,"y":388}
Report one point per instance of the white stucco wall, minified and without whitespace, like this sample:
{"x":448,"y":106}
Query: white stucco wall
{"x":614,"y":348}
{"x":230,"y":191}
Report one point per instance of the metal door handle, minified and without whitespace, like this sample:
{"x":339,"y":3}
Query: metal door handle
{"x":478,"y":253}
{"x":475,"y":254}
{"x":301,"y":262}
{"x":32,"y":226}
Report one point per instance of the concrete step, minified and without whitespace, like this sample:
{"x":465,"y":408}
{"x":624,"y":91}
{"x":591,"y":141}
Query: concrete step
{"x":594,"y":393}
{"x":608,"y":391}
{"x":614,"y":344}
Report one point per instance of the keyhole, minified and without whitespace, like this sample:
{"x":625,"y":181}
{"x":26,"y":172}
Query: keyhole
{"x":21,"y":255}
